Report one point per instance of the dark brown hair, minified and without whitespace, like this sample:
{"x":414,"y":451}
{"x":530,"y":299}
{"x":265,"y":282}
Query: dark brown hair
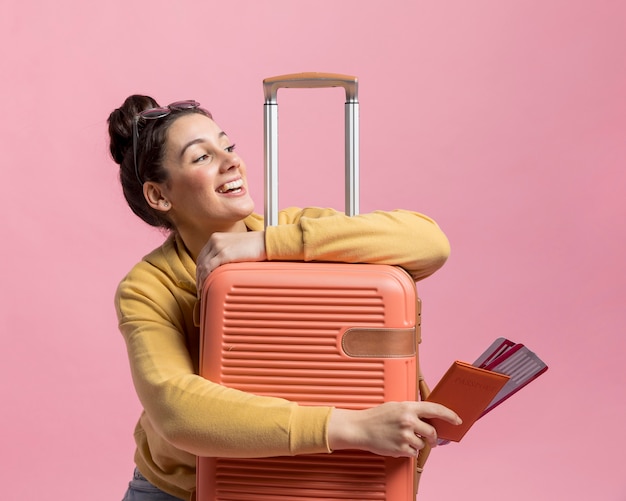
{"x":150,"y":152}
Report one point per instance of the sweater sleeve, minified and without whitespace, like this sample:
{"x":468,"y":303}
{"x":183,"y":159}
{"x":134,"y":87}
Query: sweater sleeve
{"x":192,"y":413}
{"x":402,"y":238}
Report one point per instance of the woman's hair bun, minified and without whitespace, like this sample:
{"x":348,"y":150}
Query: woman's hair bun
{"x":121,"y":124}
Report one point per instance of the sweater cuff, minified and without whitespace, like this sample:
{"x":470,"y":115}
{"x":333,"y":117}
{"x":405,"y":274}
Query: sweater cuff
{"x":284,"y":243}
{"x":308,"y":430}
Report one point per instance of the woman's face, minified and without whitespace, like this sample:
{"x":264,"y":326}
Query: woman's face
{"x":207,"y":186}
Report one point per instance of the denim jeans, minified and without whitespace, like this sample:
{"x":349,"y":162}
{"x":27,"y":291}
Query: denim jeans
{"x":139,"y":489}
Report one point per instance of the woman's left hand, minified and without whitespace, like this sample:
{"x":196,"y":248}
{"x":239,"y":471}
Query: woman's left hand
{"x":225,"y":248}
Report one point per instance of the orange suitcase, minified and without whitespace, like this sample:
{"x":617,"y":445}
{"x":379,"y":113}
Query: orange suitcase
{"x":343,"y":335}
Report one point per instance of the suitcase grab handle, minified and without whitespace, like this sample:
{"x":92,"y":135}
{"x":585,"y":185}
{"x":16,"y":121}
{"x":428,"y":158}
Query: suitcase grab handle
{"x":310,"y":80}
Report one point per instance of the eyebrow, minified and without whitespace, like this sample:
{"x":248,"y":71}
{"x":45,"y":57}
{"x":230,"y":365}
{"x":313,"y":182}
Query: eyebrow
{"x":199,"y":140}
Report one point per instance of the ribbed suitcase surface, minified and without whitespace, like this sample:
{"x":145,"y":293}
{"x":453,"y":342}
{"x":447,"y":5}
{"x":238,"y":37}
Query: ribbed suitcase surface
{"x":317,"y":334}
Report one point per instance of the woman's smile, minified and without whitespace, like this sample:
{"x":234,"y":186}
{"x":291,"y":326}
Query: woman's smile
{"x":232,"y":187}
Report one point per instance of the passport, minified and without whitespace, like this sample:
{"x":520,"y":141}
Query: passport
{"x":468,"y":391}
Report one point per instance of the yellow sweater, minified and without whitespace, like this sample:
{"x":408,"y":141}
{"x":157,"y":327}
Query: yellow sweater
{"x":185,"y":415}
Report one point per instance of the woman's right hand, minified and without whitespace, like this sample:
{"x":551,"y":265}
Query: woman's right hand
{"x":392,"y":429}
{"x":229,"y":247}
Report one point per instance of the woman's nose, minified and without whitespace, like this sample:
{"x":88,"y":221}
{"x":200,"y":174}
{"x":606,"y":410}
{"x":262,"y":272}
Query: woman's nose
{"x":230,"y":160}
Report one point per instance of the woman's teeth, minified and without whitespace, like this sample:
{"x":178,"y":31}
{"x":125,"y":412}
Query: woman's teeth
{"x":233,"y":185}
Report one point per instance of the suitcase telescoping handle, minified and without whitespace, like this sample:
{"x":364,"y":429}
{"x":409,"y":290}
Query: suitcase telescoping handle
{"x":310,"y":80}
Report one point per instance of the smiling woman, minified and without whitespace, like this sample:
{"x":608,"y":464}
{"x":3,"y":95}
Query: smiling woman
{"x":179,"y":170}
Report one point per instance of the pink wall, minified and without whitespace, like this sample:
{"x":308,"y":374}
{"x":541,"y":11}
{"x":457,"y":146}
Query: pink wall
{"x":506,"y":121}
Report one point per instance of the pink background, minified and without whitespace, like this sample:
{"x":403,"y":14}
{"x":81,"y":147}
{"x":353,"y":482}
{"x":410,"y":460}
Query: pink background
{"x":505,"y":121}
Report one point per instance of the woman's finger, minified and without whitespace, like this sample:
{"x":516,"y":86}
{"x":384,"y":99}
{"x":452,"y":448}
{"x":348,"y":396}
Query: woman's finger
{"x":429,"y":410}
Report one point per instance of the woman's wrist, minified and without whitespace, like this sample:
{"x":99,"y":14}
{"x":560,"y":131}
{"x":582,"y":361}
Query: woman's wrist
{"x":342,"y":431}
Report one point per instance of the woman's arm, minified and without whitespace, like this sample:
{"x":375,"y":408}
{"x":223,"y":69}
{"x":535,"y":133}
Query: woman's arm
{"x":207,"y":419}
{"x":402,"y":238}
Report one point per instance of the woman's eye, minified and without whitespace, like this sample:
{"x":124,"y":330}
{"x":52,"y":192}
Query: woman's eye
{"x":201,"y":158}
{"x":230,"y":148}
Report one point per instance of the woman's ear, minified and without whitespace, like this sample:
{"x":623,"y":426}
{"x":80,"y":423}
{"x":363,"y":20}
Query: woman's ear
{"x":154,"y":196}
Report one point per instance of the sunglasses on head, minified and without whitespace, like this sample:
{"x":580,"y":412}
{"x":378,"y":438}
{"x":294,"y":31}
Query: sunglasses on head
{"x":153,"y":114}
